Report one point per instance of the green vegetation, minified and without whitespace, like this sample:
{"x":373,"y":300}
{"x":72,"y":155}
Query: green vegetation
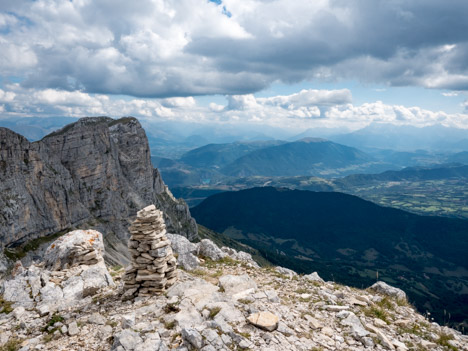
{"x":20,"y":251}
{"x":224,"y":240}
{"x":49,"y":327}
{"x":444,"y":339}
{"x":5,"y":306}
{"x":13,"y":344}
{"x":377,"y":312}
{"x":347,"y":240}
{"x":213,"y":312}
{"x":121,"y":120}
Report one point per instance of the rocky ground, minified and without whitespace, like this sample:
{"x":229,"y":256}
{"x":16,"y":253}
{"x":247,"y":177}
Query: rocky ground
{"x":223,"y":302}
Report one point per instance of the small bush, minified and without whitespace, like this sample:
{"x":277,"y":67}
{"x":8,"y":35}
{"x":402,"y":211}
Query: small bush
{"x":5,"y":306}
{"x":13,"y":344}
{"x":444,"y":339}
{"x":213,"y":312}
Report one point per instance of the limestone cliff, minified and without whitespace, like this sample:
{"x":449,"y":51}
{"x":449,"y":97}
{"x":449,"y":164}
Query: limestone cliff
{"x":96,"y":172}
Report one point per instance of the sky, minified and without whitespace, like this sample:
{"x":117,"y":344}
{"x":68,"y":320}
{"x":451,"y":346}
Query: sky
{"x":289,"y":64}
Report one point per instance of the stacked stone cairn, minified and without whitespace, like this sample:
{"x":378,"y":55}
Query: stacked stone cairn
{"x":153,"y":267}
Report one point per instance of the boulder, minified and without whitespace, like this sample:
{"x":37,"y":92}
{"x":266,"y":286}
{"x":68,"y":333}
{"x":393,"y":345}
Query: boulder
{"x":126,"y":339}
{"x":75,"y":248}
{"x":234,"y":284}
{"x":264,"y":320}
{"x":95,"y":278}
{"x":357,"y":329}
{"x":314,"y":277}
{"x":286,"y":271}
{"x":388,"y":290}
{"x":209,"y":249}
{"x":192,"y":337}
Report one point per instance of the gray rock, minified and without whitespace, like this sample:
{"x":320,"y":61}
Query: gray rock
{"x":286,"y":271}
{"x":95,"y":278}
{"x":51,"y":292}
{"x":18,"y":312}
{"x":193,"y":337}
{"x":73,"y":288}
{"x":73,"y":329}
{"x":357,"y":329}
{"x":95,"y":167}
{"x":127,"y":339}
{"x":128,"y":321}
{"x":181,"y":244}
{"x":151,"y":343}
{"x":188,"y":261}
{"x":388,"y":290}
{"x":284,"y":329}
{"x":17,"y":290}
{"x":209,"y":249}
{"x":314,"y":277}
{"x":234,"y":284}
{"x":43,"y":310}
{"x":97,"y":318}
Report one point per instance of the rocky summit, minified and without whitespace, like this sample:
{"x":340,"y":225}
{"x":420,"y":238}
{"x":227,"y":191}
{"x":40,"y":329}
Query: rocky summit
{"x":225,"y":301}
{"x":94,"y":173}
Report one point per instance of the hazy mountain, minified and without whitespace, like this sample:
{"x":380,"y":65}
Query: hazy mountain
{"x":350,"y":239}
{"x":219,"y":155}
{"x":410,"y":173}
{"x":35,"y":128}
{"x":461,"y":157}
{"x":405,"y":138}
{"x":304,"y":157}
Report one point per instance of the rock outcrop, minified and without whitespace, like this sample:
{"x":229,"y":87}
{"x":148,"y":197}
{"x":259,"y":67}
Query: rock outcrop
{"x":94,"y":173}
{"x":153,"y":267}
{"x":203,"y":311}
{"x":73,"y":269}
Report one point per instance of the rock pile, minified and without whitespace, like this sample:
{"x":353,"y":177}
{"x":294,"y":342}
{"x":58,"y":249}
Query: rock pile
{"x":153,"y":267}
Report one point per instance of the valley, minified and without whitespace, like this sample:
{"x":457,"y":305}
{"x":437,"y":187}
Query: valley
{"x":350,"y":240}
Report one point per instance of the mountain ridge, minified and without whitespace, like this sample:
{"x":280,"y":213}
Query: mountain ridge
{"x":96,"y":171}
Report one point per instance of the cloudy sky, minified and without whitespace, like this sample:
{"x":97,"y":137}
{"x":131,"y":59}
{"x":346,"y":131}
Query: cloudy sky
{"x":302,"y":64}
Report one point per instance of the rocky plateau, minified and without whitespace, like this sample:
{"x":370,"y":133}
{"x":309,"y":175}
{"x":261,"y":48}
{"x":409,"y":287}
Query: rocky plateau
{"x":222,"y":300}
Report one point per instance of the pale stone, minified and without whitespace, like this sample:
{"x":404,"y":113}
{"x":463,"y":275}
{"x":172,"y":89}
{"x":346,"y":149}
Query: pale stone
{"x":264,"y":320}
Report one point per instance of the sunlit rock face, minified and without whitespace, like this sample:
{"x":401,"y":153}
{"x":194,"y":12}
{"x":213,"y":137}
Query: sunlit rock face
{"x":93,"y":173}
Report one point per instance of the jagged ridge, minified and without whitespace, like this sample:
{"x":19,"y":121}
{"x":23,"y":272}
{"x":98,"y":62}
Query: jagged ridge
{"x":95,"y":173}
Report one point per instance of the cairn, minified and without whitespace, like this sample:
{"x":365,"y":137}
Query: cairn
{"x":153,"y":267}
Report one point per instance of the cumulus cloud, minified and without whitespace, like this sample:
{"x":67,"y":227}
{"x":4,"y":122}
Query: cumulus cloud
{"x":177,"y":48}
{"x":305,"y":109}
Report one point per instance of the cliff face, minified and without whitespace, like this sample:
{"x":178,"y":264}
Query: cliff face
{"x":95,"y":173}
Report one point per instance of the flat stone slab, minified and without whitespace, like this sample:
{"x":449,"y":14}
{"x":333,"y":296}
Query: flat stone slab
{"x":264,"y":320}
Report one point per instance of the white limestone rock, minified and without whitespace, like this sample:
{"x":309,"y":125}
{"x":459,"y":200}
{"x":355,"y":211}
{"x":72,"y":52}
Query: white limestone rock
{"x":388,"y":290}
{"x":209,"y":249}
{"x":74,"y":248}
{"x":234,"y":284}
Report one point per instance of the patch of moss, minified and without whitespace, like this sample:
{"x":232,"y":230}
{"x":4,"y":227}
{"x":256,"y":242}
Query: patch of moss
{"x":5,"y":306}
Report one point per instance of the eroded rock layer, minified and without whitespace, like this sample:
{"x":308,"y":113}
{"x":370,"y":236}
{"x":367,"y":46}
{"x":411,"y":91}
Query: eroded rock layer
{"x":93,"y":173}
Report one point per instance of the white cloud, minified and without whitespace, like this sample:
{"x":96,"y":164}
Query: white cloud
{"x":305,"y":109}
{"x":170,"y":48}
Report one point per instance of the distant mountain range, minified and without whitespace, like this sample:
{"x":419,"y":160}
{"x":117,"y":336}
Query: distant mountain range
{"x":349,"y":239}
{"x":405,"y":138}
{"x":220,"y":163}
{"x":309,"y":156}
